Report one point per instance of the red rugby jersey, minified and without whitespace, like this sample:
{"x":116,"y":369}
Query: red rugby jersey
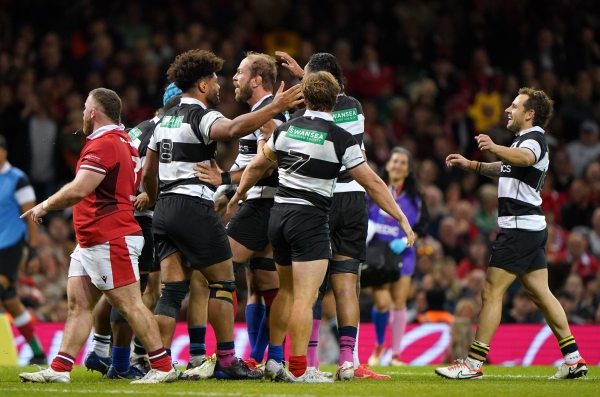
{"x":107,"y":213}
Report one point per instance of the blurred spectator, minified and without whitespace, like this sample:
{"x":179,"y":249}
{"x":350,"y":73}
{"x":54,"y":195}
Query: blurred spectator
{"x":578,"y":210}
{"x":583,"y":308}
{"x":563,"y":171}
{"x":577,"y":257}
{"x":477,"y":258}
{"x":465,"y":229}
{"x":436,"y":300}
{"x":586,"y":149}
{"x":474,"y":285}
{"x":467,"y":308}
{"x":435,"y":206}
{"x":39,"y":146}
{"x":522,"y":310}
{"x":373,"y":79}
{"x":592,"y":178}
{"x":448,"y":234}
{"x":568,"y":302}
{"x":594,"y":237}
{"x":578,"y":107}
{"x":461,"y":334}
{"x":486,"y":217}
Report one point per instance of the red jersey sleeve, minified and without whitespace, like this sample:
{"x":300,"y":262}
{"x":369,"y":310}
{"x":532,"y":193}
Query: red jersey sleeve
{"x":98,"y":156}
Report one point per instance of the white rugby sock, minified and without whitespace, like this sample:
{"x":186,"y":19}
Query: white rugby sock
{"x":101,"y":345}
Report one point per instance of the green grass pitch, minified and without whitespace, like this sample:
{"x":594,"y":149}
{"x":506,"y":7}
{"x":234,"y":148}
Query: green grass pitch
{"x":406,"y":381}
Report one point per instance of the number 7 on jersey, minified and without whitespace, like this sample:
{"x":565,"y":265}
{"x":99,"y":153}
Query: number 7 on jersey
{"x":302,"y":159}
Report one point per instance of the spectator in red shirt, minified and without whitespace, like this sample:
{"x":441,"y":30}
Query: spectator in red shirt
{"x":372,"y":78}
{"x":580,"y":261}
{"x":110,"y":241}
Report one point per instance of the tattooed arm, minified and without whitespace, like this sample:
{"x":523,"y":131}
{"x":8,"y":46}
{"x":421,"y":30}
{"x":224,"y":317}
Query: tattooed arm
{"x":491,"y":170}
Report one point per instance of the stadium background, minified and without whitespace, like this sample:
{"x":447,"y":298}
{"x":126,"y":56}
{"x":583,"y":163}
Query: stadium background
{"x":429,"y":74}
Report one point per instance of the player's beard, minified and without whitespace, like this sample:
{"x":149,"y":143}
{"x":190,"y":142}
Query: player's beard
{"x":213,"y":98}
{"x":515,"y":126}
{"x":244,"y":93}
{"x":87,"y":126}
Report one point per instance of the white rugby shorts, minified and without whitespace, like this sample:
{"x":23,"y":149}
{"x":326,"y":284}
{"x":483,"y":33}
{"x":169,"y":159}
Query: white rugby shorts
{"x":109,"y":265}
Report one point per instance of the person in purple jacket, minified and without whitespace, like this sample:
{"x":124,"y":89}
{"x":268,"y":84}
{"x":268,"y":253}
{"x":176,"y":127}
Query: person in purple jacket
{"x":385,"y":235}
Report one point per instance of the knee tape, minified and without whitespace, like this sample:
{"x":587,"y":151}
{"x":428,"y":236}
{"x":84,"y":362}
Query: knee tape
{"x":143,"y":282}
{"x":344,"y":266}
{"x":267,"y":264}
{"x":222,"y":289}
{"x":170,"y":300}
{"x":236,"y":266}
{"x":117,"y":317}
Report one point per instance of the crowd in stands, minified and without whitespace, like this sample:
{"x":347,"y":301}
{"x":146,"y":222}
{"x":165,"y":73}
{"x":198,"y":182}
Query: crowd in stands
{"x":430,"y":75}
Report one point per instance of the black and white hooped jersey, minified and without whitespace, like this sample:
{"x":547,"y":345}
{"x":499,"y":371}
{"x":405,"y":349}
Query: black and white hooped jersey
{"x":182,"y":139}
{"x":140,"y":135}
{"x":248,"y":147}
{"x":310,"y":151}
{"x":519,"y":187}
{"x":348,"y":114}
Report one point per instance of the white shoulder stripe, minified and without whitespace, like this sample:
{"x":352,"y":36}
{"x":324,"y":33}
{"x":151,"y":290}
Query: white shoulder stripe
{"x":92,"y":168}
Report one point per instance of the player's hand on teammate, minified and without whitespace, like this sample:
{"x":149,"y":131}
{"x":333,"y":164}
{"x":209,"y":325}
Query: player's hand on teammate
{"x":290,"y":64}
{"x":485,"y":143}
{"x":142,"y":202}
{"x":456,"y":160}
{"x":207,"y":174}
{"x":221,"y":205}
{"x":267,"y":129}
{"x":285,"y":100}
{"x":236,"y":197}
{"x":35,"y":213}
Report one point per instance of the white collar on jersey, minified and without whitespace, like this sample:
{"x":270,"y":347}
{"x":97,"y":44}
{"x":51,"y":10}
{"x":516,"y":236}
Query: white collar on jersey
{"x":528,"y":130}
{"x":191,"y":101}
{"x":260,"y":101}
{"x":321,"y":115}
{"x":5,"y":168}
{"x":100,"y":131}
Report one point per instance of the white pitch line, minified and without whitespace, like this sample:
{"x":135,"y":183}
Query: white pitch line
{"x":158,"y":392}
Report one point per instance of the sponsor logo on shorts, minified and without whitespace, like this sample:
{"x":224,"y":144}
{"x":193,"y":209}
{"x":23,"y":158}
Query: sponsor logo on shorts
{"x":344,"y":116}
{"x":310,"y":136}
{"x":104,"y":279}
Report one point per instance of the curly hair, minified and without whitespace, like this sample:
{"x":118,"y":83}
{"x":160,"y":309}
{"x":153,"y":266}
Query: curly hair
{"x":541,"y":104}
{"x":326,"y":62}
{"x":320,"y":90}
{"x":193,"y":66}
{"x":265,"y":66}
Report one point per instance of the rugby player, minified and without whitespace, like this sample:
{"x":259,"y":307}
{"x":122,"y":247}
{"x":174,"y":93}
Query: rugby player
{"x":185,"y":222}
{"x":348,"y":221}
{"x":247,"y":230}
{"x":309,"y":151}
{"x":519,"y":250}
{"x":110,"y":241}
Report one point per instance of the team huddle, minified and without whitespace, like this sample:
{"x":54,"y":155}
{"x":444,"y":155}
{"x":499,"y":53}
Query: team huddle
{"x":147,"y":212}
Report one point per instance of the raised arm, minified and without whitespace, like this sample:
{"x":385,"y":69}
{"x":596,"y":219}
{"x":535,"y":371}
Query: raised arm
{"x":521,"y":157}
{"x":378,"y":191}
{"x":225,"y":129}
